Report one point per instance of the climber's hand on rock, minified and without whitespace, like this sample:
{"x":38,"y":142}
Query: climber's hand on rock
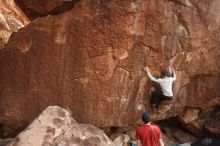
{"x":146,"y":69}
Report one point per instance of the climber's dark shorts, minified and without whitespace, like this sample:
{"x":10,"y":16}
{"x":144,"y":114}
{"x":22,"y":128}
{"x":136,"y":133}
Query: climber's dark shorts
{"x":157,"y":97}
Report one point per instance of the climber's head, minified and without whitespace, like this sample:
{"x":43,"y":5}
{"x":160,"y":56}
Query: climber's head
{"x":146,"y":117}
{"x":166,"y":72}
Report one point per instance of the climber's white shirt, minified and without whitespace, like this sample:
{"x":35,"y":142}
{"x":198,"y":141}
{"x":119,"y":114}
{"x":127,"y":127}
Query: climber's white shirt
{"x":165,"y":83}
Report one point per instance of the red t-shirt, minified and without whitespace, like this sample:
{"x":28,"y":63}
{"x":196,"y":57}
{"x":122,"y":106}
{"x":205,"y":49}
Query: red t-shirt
{"x":149,"y":135}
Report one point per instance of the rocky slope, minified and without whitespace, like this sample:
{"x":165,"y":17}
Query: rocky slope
{"x":90,"y":60}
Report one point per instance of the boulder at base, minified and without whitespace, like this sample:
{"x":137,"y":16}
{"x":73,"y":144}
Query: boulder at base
{"x":55,"y":127}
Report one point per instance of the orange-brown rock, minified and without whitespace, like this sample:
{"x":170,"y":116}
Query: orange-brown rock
{"x":90,"y":60}
{"x":11,"y":19}
{"x":39,"y":8}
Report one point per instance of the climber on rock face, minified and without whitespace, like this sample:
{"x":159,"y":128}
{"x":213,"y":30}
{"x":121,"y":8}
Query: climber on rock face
{"x":168,"y":75}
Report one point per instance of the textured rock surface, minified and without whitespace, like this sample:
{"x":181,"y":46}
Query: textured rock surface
{"x":173,"y":134}
{"x":208,"y":119}
{"x":205,"y":122}
{"x":83,"y":135}
{"x":90,"y":60}
{"x":4,"y":142}
{"x":39,"y":8}
{"x":178,"y":135}
{"x":11,"y":19}
{"x":55,"y":127}
{"x":213,"y":125}
{"x":189,"y":115}
{"x":52,"y":123}
{"x":129,"y":130}
{"x":122,"y":140}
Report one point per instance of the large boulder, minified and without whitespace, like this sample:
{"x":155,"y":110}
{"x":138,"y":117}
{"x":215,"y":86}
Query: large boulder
{"x":55,"y":127}
{"x":11,"y":19}
{"x":90,"y":60}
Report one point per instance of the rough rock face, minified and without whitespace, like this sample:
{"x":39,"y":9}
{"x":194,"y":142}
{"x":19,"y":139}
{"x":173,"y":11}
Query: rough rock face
{"x":122,"y":140}
{"x":39,"y":8}
{"x":83,"y":135}
{"x":205,"y":122}
{"x":55,"y":127}
{"x":11,"y":19}
{"x":178,"y":135}
{"x":90,"y":60}
{"x":4,"y":142}
{"x":212,"y":125}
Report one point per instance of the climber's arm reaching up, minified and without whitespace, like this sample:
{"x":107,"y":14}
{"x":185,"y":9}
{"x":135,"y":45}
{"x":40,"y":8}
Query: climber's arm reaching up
{"x":146,"y":69}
